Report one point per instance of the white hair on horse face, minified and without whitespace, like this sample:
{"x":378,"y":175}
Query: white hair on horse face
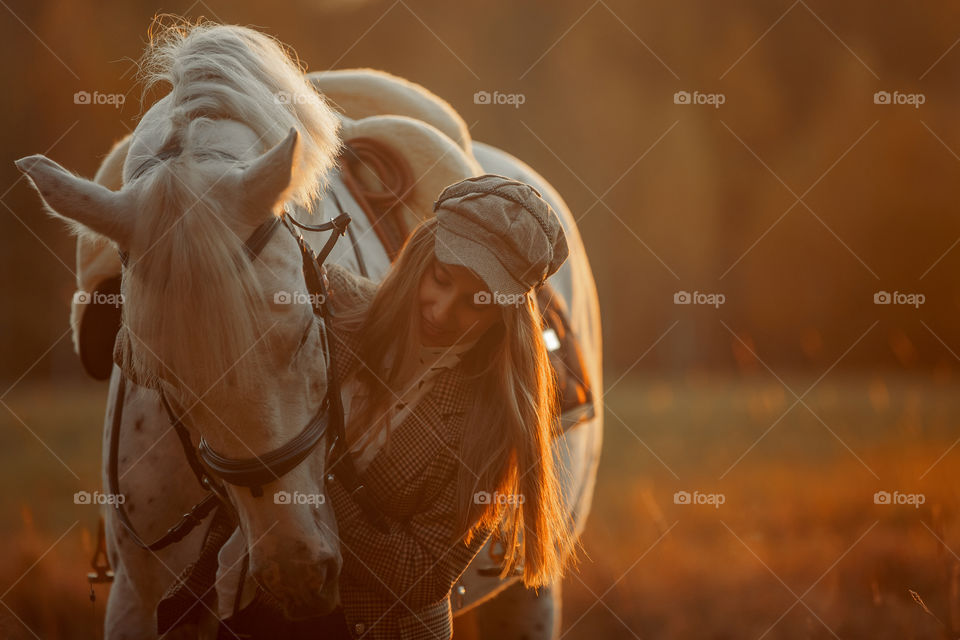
{"x":228,"y":71}
{"x":194,"y":285}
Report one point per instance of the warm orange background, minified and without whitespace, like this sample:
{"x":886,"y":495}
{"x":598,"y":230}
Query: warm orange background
{"x":669,"y":197}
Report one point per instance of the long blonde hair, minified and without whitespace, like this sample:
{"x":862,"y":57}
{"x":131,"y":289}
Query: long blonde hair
{"x":510,"y":426}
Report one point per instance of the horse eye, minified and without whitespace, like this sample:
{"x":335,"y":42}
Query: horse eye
{"x":139,"y":171}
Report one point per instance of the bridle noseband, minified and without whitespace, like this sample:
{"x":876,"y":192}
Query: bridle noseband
{"x":265,"y":468}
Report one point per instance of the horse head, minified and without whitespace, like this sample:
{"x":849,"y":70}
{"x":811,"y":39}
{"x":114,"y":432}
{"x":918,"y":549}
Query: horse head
{"x":231,"y":339}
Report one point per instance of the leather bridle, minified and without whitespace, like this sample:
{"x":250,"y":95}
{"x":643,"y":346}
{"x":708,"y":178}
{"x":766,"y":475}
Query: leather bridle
{"x":213,"y":470}
{"x":254,"y":472}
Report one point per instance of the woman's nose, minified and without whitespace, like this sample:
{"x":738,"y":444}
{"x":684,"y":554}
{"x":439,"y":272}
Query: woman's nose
{"x":441,"y":311}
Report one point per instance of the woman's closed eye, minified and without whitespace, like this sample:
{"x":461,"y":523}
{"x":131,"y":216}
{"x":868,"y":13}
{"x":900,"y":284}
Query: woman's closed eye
{"x":470,"y":298}
{"x":438,"y":278}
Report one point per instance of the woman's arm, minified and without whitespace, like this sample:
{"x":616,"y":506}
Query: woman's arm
{"x":414,"y":561}
{"x":348,"y":289}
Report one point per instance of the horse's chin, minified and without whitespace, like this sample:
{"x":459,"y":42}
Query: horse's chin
{"x":323,"y":605}
{"x":302,"y":590}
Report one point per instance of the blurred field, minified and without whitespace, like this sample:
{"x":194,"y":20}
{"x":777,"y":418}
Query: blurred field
{"x":799,"y":513}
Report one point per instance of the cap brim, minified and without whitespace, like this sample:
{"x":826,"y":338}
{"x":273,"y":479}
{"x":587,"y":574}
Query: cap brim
{"x":451,"y":248}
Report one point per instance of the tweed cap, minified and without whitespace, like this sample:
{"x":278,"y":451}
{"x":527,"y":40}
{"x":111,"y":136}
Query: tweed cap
{"x":502,"y":230}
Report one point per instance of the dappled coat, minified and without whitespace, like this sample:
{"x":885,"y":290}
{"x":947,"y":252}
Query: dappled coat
{"x":397,"y":584}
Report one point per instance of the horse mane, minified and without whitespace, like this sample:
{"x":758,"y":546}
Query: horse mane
{"x":193,"y":279}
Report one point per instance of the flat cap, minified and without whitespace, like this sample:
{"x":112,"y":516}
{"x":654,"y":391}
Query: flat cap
{"x":502,"y":230}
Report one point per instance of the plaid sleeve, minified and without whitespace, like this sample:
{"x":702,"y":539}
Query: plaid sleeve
{"x":414,"y":561}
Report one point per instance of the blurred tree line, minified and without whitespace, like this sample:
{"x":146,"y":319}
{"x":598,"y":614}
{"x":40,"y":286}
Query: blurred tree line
{"x":798,"y":198}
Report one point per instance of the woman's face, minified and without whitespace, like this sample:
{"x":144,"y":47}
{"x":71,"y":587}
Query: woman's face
{"x":449,"y":312}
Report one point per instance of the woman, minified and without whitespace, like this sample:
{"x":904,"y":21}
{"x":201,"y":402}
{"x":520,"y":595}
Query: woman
{"x":453,"y":443}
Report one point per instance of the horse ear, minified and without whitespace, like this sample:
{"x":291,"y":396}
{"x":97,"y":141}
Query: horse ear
{"x":267,"y":179}
{"x":83,"y":204}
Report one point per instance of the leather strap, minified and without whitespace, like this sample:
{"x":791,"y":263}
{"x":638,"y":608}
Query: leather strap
{"x":264,"y":468}
{"x":260,"y":470}
{"x":343,"y":462}
{"x":190,"y":520}
{"x":252,"y":247}
{"x":260,"y":237}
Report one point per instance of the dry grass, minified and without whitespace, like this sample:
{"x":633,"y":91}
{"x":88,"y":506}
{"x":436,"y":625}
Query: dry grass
{"x":799,"y":519}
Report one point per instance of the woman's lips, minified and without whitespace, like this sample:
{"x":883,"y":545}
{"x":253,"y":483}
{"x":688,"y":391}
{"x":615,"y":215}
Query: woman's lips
{"x":431,"y":329}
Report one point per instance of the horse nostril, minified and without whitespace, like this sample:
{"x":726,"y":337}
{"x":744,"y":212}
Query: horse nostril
{"x":331,"y":570}
{"x":320,"y":579}
{"x":327,"y":572}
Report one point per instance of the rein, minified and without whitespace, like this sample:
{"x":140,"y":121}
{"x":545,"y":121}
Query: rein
{"x":212,"y":469}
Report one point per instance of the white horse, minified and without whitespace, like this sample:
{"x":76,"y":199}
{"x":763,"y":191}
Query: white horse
{"x":207,"y":165}
{"x":436,"y":143}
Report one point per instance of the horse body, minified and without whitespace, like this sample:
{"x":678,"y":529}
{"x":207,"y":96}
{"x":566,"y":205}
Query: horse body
{"x":159,"y":485}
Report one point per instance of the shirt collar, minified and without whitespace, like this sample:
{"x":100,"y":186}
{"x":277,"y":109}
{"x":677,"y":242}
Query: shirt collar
{"x":438,"y":351}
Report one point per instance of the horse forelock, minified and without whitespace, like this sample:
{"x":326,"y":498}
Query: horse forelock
{"x":196,"y":305}
{"x":232,"y":72}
